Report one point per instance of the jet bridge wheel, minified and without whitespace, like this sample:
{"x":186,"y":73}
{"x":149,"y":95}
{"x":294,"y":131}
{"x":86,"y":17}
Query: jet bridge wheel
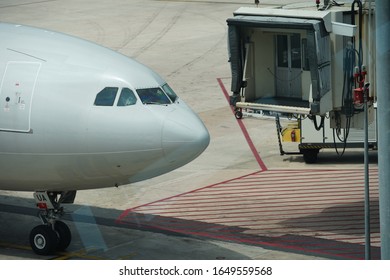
{"x":238,"y":114}
{"x":310,"y":155}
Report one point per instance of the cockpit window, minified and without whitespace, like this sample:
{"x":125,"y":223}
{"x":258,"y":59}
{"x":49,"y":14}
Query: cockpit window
{"x":169,"y":91}
{"x":106,"y":97}
{"x":127,"y":98}
{"x":153,"y":96}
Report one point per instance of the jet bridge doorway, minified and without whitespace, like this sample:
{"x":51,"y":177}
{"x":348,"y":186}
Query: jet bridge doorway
{"x":288,"y":79}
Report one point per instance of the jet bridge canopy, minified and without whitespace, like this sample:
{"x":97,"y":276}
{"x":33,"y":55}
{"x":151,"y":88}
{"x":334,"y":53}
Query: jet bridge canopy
{"x":275,"y":55}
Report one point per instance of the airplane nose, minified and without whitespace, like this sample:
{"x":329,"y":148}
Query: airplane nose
{"x":184,"y":137}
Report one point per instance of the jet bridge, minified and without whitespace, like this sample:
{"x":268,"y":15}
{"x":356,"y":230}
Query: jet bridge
{"x":305,"y":62}
{"x":282,"y":57}
{"x":289,"y":57}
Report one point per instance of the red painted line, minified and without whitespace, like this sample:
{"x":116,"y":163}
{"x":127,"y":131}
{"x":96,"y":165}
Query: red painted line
{"x":256,"y":154}
{"x":297,"y":182}
{"x":308,"y":170}
{"x":125,"y":213}
{"x":271,"y":211}
{"x":317,"y":221}
{"x":318,"y":176}
{"x":282,"y":173}
{"x":230,"y":198}
{"x":290,"y":186}
{"x":268,"y":211}
{"x":264,"y":226}
{"x":255,"y":202}
{"x":286,"y":213}
{"x":283,"y":214}
{"x":277,"y":209}
{"x":301,"y":206}
{"x":274,"y":177}
{"x":353,"y":222}
{"x":292,"y":183}
{"x":288,"y":190}
{"x":269,"y":202}
{"x":280,"y":191}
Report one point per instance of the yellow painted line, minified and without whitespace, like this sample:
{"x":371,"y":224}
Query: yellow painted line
{"x":82,"y":254}
{"x":129,"y":256}
{"x":63,"y":256}
{"x":77,"y":254}
{"x":14,"y":246}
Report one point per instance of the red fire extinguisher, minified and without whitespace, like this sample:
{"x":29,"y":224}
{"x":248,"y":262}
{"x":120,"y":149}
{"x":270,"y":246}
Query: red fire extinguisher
{"x":293,"y":136}
{"x":360,"y":77}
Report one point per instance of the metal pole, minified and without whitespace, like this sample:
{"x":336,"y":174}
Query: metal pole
{"x":382,"y":19}
{"x":367,"y":227}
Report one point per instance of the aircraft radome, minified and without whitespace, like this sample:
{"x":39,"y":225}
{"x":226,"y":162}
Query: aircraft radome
{"x":75,"y":115}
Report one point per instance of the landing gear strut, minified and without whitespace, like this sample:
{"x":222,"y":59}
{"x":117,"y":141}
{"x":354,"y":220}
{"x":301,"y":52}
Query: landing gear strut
{"x":53,"y":235}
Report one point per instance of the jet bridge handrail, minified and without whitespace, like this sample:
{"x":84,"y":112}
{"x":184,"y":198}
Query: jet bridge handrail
{"x":274,"y":108}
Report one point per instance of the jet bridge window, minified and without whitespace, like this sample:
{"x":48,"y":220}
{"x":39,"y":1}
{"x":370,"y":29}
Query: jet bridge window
{"x":127,"y":98}
{"x":153,"y":96}
{"x":289,"y":51}
{"x":106,"y":97}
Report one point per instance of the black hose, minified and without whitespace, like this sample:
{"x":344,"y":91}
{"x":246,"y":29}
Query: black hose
{"x":360,"y":53}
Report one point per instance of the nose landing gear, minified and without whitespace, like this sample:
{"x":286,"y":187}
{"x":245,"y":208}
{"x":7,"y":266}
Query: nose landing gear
{"x":53,"y":235}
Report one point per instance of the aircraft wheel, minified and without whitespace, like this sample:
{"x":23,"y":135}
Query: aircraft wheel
{"x":43,"y":240}
{"x":64,"y":235}
{"x":238,"y":115}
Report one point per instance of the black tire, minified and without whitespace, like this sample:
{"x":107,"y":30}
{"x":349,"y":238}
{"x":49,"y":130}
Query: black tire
{"x":64,"y":235}
{"x":238,"y":115}
{"x":310,"y":155}
{"x":43,"y":240}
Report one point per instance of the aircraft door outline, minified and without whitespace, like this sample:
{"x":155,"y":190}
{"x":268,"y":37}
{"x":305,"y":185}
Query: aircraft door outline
{"x":16,"y":94}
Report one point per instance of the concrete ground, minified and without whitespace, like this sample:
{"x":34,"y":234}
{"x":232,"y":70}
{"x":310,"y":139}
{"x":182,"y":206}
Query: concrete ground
{"x":184,"y":41}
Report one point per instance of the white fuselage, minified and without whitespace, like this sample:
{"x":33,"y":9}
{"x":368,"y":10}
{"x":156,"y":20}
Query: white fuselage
{"x":57,"y":134}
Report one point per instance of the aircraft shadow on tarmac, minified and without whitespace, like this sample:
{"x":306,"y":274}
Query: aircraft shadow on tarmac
{"x":97,"y":229}
{"x":336,"y":218}
{"x":343,"y":221}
